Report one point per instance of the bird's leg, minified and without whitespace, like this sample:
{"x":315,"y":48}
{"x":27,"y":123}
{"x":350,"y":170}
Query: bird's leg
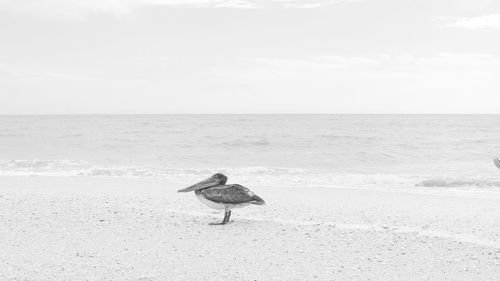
{"x":226,"y":217}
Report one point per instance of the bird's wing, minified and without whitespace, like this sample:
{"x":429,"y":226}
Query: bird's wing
{"x":230,"y":194}
{"x":497,"y":163}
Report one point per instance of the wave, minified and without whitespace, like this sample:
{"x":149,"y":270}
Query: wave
{"x":83,"y":168}
{"x":73,"y":136}
{"x":246,"y":143}
{"x":36,"y":164}
{"x":481,"y":183}
{"x":262,"y":176}
{"x":345,"y":137}
{"x":11,"y":135}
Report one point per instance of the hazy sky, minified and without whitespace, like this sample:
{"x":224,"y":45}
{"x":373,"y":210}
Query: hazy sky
{"x":249,"y":56}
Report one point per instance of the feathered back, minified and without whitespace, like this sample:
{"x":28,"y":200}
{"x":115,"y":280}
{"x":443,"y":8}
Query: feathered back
{"x":231,"y":194}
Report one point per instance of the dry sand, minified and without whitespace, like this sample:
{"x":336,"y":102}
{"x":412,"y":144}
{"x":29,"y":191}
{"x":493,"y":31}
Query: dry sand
{"x":76,"y":228}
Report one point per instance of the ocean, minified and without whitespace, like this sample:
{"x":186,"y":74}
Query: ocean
{"x":401,"y":152}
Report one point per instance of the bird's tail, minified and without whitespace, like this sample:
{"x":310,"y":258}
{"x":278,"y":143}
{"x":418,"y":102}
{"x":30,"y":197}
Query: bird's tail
{"x":258,"y":201}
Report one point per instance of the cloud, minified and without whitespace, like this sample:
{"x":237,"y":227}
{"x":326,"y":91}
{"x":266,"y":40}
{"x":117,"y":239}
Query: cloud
{"x":475,"y":6}
{"x":78,"y":9}
{"x":31,"y":73}
{"x":447,"y":61}
{"x":486,"y":21}
{"x":328,"y":68}
{"x":323,"y":63}
{"x":402,"y":83}
{"x":470,"y":62}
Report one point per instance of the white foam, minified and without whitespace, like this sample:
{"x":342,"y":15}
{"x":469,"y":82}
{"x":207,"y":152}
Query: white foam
{"x":261,"y":176}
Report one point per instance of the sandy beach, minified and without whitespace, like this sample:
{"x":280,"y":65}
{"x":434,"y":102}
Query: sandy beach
{"x":80,"y":228}
{"x":249,"y":140}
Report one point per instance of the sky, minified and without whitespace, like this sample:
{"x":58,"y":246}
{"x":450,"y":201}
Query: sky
{"x":249,"y":56}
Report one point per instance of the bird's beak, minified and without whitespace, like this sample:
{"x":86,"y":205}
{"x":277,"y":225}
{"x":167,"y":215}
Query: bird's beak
{"x":211,"y":181}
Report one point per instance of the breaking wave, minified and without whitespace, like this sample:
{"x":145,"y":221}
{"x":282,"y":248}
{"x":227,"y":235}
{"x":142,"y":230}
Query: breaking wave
{"x":83,"y":168}
{"x":263,"y":176}
{"x":41,"y":165}
{"x":481,"y":183}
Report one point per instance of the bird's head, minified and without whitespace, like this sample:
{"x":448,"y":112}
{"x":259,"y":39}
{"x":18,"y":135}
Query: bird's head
{"x":216,"y":179}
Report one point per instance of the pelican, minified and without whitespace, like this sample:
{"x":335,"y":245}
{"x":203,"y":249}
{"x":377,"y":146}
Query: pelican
{"x":214,"y":193}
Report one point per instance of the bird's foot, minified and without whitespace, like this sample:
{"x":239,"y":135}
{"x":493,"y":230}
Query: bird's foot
{"x":217,"y":223}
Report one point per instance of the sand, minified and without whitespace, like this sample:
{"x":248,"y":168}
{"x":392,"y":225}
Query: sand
{"x":80,"y":228}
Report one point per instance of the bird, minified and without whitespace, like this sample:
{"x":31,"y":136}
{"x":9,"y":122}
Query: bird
{"x":214,"y":193}
{"x":497,"y":162}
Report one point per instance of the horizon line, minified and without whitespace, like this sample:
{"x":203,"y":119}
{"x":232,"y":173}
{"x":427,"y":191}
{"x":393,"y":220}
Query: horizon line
{"x":121,"y":114}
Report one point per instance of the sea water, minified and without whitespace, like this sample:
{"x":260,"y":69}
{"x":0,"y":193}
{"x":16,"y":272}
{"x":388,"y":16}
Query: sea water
{"x":420,"y":152}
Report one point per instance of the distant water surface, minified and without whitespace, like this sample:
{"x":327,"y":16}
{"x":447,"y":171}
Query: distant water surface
{"x":374,"y":151}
